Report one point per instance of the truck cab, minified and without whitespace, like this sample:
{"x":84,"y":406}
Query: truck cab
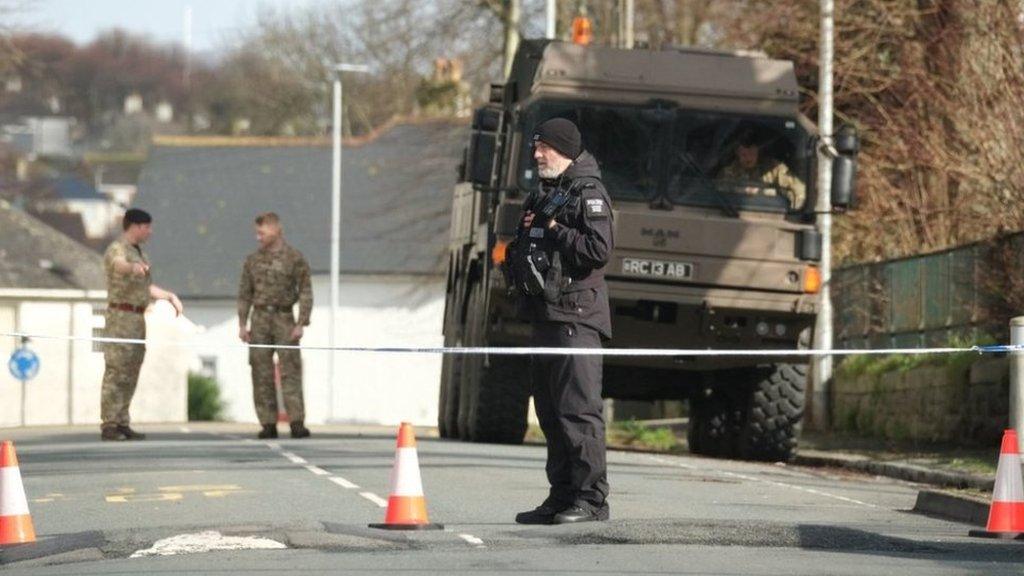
{"x":711,"y":170}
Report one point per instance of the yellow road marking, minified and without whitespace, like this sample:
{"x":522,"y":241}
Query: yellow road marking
{"x":201,"y":488}
{"x":174,"y":493}
{"x":124,"y":498}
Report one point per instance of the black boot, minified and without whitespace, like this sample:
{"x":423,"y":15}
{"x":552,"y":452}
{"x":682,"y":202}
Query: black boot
{"x":582,"y":512}
{"x":268,"y":431}
{"x":543,"y":514}
{"x":112,"y":434}
{"x":129,"y":433}
{"x":299,"y":430}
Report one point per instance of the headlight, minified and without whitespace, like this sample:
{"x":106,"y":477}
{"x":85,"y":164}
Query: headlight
{"x":762,"y":328}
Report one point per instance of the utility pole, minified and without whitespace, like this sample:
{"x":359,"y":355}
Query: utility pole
{"x":186,"y":40}
{"x":823,"y":326}
{"x":627,"y":11}
{"x":551,"y":20}
{"x":512,"y":16}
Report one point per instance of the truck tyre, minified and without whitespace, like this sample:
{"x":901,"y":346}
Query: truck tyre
{"x":451,"y":367}
{"x":714,"y":424}
{"x":493,"y":390}
{"x":448,"y":402}
{"x":774,"y":414}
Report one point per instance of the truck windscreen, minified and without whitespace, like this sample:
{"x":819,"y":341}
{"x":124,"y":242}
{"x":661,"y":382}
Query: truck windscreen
{"x":739,"y":162}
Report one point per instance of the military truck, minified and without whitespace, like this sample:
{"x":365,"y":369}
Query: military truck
{"x":702,"y":260}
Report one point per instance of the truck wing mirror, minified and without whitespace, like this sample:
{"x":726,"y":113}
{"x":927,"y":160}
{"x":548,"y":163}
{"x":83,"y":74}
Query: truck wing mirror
{"x":844,"y":168}
{"x":483,"y":145}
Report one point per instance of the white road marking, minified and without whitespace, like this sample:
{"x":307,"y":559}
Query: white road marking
{"x":375,"y":499}
{"x":343,"y":483}
{"x":317,"y":470}
{"x":186,"y":429}
{"x":205,"y":542}
{"x":473,"y":540}
{"x":296,"y":459}
{"x":764,"y":481}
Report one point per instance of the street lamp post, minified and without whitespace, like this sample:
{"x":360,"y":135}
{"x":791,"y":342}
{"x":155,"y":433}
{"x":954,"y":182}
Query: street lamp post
{"x":332,"y":328}
{"x":823,"y":328}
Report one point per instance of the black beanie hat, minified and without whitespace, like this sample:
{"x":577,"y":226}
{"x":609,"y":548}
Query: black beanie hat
{"x":135,"y":216}
{"x":562,"y":135}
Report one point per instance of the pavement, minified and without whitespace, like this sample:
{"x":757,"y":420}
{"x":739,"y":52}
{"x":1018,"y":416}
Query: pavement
{"x":304,"y":506}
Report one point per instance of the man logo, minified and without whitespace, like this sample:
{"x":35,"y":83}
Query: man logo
{"x":659,"y":236}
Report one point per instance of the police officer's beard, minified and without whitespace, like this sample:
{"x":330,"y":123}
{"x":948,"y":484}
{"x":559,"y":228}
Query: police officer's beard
{"x":549,"y":172}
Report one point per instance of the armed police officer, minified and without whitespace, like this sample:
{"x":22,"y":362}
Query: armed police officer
{"x":130,"y":288}
{"x":274,"y":278}
{"x":557,"y":263}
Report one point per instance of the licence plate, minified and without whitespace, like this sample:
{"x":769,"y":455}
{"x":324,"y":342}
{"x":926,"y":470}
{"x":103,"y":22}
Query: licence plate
{"x":657,"y":268}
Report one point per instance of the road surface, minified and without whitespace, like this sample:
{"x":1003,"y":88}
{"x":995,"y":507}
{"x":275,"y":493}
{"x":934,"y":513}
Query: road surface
{"x":305,"y":505}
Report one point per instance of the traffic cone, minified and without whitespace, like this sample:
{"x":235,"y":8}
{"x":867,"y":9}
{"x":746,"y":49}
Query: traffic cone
{"x":1006,"y":516}
{"x":407,"y":507}
{"x":15,"y":521}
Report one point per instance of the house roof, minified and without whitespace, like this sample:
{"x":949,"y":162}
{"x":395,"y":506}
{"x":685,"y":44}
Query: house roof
{"x":396,"y":200}
{"x":74,"y":188}
{"x":33,"y":255}
{"x":117,"y":173}
{"x":69,"y":224}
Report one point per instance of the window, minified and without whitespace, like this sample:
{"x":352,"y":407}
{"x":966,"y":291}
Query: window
{"x":684,"y":156}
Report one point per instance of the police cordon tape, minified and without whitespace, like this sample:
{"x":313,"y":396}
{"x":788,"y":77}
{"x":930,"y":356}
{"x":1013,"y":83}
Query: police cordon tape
{"x":531,"y":350}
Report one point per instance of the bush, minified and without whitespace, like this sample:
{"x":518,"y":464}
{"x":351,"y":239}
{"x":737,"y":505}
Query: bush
{"x":633,"y":433}
{"x":876,"y":365}
{"x":204,"y":402}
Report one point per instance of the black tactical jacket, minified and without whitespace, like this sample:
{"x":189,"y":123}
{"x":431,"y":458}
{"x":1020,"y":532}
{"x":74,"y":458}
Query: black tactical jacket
{"x":583,"y":240}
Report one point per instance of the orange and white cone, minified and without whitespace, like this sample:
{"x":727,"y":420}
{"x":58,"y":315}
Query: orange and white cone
{"x":15,"y":521}
{"x":1006,"y":516}
{"x":407,"y":507}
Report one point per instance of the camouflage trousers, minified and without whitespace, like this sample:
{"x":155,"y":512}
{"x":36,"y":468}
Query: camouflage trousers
{"x":275,"y":328}
{"x":122,"y":363}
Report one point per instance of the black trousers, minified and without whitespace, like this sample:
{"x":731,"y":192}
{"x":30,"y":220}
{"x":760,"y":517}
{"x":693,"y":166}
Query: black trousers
{"x":567,"y":396}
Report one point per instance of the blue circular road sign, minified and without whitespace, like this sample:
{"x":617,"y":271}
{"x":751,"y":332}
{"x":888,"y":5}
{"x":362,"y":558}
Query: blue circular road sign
{"x":24,"y":364}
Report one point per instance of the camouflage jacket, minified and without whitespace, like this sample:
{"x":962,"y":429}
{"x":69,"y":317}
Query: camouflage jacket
{"x":773,"y":174}
{"x":126,"y":288}
{"x":276,"y":278}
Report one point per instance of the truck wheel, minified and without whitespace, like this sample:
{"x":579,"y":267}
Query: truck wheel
{"x":451,"y":368}
{"x":494,"y":390}
{"x":774,"y":414}
{"x":448,"y":402}
{"x":714,"y":424}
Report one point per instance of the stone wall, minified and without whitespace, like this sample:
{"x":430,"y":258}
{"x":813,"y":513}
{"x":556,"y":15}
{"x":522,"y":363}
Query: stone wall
{"x":958,"y":403}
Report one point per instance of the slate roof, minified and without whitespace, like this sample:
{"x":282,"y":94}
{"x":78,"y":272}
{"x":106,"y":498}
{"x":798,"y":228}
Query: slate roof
{"x":33,"y":255}
{"x":396,"y":203}
{"x":75,"y":188}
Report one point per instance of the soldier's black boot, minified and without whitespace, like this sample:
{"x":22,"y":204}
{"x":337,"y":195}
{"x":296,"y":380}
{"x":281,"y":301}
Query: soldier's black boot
{"x":268,"y":431}
{"x":112,"y":434}
{"x":130,"y":434}
{"x":299,"y":430}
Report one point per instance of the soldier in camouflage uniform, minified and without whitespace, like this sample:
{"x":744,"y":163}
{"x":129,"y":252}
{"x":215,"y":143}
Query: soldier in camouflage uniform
{"x":129,"y":289}
{"x":751,"y":165}
{"x":274,"y":278}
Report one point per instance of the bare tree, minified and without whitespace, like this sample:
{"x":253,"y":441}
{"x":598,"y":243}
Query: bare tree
{"x":936,"y":88}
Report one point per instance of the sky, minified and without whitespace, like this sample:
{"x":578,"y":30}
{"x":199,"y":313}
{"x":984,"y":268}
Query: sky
{"x":215,"y":23}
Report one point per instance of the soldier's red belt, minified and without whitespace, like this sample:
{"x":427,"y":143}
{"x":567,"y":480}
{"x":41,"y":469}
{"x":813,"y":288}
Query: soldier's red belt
{"x":126,"y":307}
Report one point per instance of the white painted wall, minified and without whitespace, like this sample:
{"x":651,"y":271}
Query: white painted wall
{"x":67,"y":388}
{"x":370,"y":388}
